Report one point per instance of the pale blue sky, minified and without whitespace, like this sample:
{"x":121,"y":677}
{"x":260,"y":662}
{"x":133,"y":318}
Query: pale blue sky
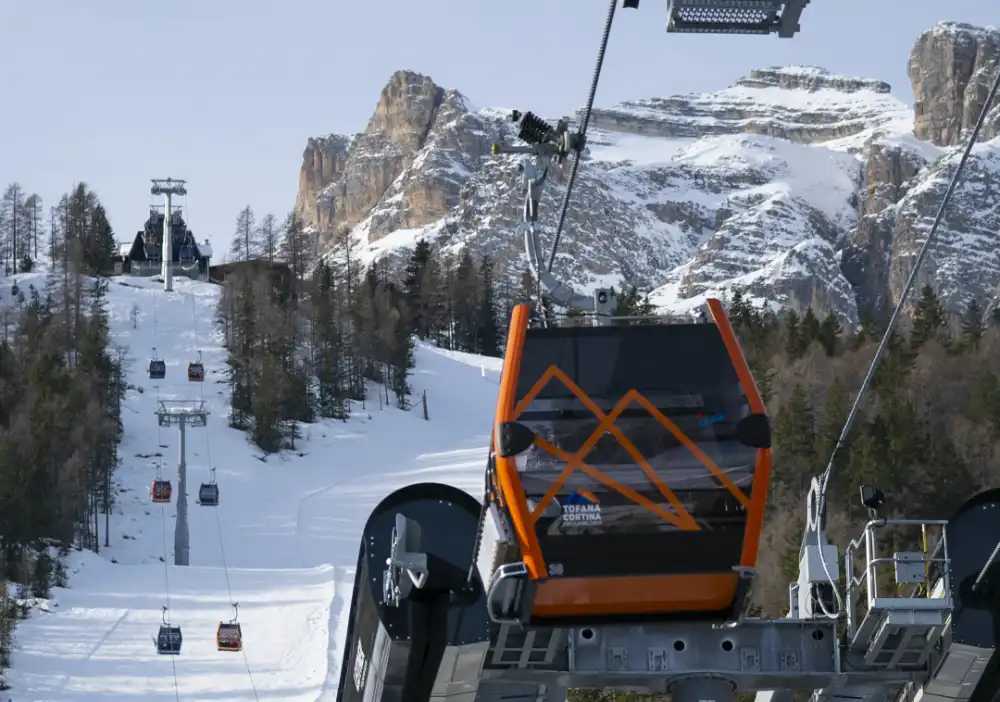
{"x":225,"y":92}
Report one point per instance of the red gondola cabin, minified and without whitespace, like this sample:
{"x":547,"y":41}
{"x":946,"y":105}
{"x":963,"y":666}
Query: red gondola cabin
{"x":161,"y":491}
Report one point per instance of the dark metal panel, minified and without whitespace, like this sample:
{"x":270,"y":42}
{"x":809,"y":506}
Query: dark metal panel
{"x":392,"y":653}
{"x":973,"y":534}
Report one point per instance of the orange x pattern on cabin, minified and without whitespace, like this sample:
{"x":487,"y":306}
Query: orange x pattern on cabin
{"x":679,"y":517}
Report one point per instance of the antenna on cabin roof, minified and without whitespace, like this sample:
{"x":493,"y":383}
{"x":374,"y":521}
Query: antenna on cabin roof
{"x":168,"y":187}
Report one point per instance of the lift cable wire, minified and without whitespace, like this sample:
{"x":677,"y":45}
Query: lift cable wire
{"x":159,"y":441}
{"x":194,"y":328}
{"x":177,"y":692}
{"x":166,"y":555}
{"x":166,"y":588}
{"x":166,"y":569}
{"x":225,"y":567}
{"x":583,"y":130}
{"x":816,"y":501}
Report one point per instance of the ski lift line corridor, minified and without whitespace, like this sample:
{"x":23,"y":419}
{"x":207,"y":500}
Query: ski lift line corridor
{"x":292,"y":604}
{"x":168,"y":638}
{"x":229,"y":633}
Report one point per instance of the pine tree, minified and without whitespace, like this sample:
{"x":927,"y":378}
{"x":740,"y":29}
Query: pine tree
{"x":268,"y":237}
{"x":795,"y":427}
{"x":487,"y":333}
{"x":831,"y":421}
{"x":794,"y":345}
{"x":869,"y":330}
{"x":434,"y":303}
{"x":466,"y":296}
{"x":414,"y":289}
{"x":57,"y":222}
{"x":741,"y":312}
{"x":33,"y":207}
{"x":829,"y":334}
{"x":296,"y":249}
{"x":13,"y":218}
{"x":330,"y":351}
{"x":99,"y":246}
{"x":929,"y":319}
{"x":972,"y":325}
{"x":895,"y":368}
{"x":244,"y":246}
{"x":810,"y":328}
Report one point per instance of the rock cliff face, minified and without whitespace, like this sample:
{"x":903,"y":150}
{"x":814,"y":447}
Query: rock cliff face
{"x":964,"y":261}
{"x":798,"y":103}
{"x":323,"y":162}
{"x":797,"y":186}
{"x":888,"y":170}
{"x":404,"y":171}
{"x":952,"y":67}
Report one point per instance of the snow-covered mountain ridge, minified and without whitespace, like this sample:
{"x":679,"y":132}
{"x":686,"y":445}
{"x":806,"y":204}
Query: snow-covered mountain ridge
{"x":799,"y":186}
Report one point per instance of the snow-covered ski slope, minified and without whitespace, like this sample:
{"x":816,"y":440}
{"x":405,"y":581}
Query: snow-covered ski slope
{"x":290,"y":524}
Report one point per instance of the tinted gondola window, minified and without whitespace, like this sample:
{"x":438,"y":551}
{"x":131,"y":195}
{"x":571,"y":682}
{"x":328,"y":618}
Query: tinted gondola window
{"x":668,"y":473}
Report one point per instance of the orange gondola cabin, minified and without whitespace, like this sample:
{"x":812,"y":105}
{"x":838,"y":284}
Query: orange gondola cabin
{"x":628,"y":473}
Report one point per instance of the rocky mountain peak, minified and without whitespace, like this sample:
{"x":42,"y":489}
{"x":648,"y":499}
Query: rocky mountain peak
{"x":804,"y":104}
{"x":795,"y":185}
{"x":811,"y":79}
{"x":404,"y":170}
{"x":406,"y":109}
{"x":951,"y":67}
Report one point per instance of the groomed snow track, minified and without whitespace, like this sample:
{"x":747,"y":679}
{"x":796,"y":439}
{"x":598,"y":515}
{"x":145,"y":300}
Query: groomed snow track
{"x":290,"y":523}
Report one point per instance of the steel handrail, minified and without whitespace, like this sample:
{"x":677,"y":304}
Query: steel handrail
{"x":856,"y":578}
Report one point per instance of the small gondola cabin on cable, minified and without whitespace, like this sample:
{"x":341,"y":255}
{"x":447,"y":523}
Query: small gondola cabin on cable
{"x":196,"y":372}
{"x":208,"y":495}
{"x":628,"y":473}
{"x":161,"y":490}
{"x":229,"y":636}
{"x":168,"y":640}
{"x":157,"y":369}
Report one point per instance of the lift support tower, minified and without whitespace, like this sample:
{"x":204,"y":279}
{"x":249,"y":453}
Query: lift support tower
{"x":182,"y":414}
{"x":168,"y":187}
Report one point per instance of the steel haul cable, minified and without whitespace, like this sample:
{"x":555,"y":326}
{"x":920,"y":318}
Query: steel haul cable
{"x":177,"y":692}
{"x":583,"y":128}
{"x":225,"y":567}
{"x":194,"y":327}
{"x":163,"y":507}
{"x":166,"y":589}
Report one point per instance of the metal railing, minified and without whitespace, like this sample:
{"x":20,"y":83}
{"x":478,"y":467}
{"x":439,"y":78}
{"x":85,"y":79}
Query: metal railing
{"x":934,"y":584}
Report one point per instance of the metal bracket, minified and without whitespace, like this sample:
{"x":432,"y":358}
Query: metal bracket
{"x":404,"y":560}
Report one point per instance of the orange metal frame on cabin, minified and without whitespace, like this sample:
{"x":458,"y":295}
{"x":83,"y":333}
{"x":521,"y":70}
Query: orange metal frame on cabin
{"x":624,"y":595}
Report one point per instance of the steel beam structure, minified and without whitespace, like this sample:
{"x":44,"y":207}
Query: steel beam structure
{"x":182,"y":414}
